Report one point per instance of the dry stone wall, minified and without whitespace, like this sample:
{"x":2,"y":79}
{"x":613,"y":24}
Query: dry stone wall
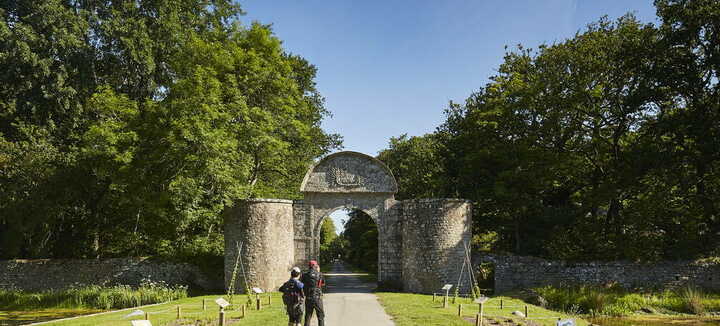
{"x":264,"y":228}
{"x":517,"y":272}
{"x":57,"y":274}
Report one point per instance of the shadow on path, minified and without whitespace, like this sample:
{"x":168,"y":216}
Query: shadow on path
{"x":342,"y":280}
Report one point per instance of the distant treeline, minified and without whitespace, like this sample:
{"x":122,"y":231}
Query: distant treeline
{"x":604,"y":146}
{"x":357,"y":244}
{"x":127,"y":126}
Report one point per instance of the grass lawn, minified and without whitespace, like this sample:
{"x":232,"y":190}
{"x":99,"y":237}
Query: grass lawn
{"x":191,"y":308}
{"x":418,"y":309}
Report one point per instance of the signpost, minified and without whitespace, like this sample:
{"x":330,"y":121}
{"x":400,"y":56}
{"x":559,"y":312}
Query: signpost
{"x":257,"y":297}
{"x":566,"y":322}
{"x":480,"y":301}
{"x":223,"y":304}
{"x":135,"y":313}
{"x":446,"y":288}
{"x":140,"y":323}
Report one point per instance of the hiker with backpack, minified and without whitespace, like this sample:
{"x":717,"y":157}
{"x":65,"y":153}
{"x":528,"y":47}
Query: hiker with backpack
{"x":314,"y":282}
{"x":293,"y":297}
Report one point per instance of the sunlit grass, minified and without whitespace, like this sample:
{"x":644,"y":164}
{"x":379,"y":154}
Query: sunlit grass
{"x":191,"y":312}
{"x":418,"y":309}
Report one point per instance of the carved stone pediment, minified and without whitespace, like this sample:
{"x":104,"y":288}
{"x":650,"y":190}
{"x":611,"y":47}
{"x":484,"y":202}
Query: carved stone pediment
{"x":346,"y":172}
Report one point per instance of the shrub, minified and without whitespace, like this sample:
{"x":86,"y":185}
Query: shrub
{"x":93,"y":296}
{"x":692,"y":299}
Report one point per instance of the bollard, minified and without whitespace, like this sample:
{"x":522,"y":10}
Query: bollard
{"x":477,"y":320}
{"x":482,"y":307}
{"x":179,"y":312}
{"x":526,"y":312}
{"x":445,"y":301}
{"x":204,"y":306}
{"x":147,"y":315}
{"x":501,"y":304}
{"x":243,"y":310}
{"x":258,"y":304}
{"x":433,"y":297}
{"x":460,"y":310}
{"x":221,"y":318}
{"x":269,"y":302}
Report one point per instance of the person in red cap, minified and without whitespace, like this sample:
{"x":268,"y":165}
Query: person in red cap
{"x":314,"y":282}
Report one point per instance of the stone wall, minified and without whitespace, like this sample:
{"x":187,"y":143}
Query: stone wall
{"x":434,"y":231}
{"x":264,"y":228}
{"x":46,"y":274}
{"x":516,"y":272}
{"x":390,"y":245}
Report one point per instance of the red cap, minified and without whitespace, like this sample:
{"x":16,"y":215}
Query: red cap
{"x":312,"y":263}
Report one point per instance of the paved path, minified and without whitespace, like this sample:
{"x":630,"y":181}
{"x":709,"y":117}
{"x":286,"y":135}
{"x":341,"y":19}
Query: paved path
{"x":349,"y":301}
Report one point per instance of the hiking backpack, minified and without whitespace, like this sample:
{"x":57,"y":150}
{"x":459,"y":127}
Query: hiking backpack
{"x":291,"y":293}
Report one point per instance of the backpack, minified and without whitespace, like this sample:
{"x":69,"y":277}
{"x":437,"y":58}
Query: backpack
{"x":313,"y":284}
{"x":291,"y":293}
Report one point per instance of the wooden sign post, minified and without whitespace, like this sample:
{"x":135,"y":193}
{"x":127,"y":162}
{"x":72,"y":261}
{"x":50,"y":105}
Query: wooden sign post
{"x":446,"y":288}
{"x":480,"y":301}
{"x":257,"y":291}
{"x":223,"y":304}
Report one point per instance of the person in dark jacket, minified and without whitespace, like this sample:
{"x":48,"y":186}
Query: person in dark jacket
{"x":313,"y":281}
{"x":293,"y":297}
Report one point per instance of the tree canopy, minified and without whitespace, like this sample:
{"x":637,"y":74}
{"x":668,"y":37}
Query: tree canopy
{"x":603,"y":146}
{"x":127,"y":126}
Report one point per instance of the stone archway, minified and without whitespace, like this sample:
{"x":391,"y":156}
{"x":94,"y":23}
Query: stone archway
{"x":420,"y":242}
{"x":355,"y":181}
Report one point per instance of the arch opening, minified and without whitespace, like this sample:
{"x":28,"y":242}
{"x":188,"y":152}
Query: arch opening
{"x":350,"y":235}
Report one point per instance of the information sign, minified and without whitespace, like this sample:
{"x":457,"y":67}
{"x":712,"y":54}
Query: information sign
{"x":222,"y":302}
{"x":483,"y":300}
{"x":566,"y":322}
{"x":141,"y":323}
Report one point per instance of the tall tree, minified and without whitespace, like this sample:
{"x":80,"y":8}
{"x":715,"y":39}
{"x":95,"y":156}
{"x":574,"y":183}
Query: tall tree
{"x":416,"y":164}
{"x":127,"y":126}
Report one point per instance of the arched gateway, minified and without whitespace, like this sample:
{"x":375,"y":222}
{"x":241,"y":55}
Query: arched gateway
{"x":420,"y":241}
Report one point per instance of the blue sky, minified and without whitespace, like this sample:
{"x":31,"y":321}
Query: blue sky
{"x":390,"y":67}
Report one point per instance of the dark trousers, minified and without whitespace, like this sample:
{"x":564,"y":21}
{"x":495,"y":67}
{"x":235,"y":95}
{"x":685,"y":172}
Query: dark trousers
{"x":317,"y":305}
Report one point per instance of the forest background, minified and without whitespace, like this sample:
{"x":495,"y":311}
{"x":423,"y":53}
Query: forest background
{"x":127,"y":127}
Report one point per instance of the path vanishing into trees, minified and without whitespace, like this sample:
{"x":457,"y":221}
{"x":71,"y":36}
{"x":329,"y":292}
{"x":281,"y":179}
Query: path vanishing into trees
{"x":349,"y":300}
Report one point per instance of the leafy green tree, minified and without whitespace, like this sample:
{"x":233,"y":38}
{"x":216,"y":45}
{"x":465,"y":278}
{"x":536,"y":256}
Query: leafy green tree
{"x":361,"y":241}
{"x":603,"y":146}
{"x":127,"y":127}
{"x":327,"y":231}
{"x":416,"y":164}
{"x":331,"y":245}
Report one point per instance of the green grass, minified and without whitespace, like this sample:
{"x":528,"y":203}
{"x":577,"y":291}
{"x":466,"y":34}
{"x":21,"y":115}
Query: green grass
{"x":418,"y":309}
{"x":91,"y":297}
{"x":191,"y":308}
{"x":616,"y":301}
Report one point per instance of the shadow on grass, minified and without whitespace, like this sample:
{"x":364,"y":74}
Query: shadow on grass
{"x":19,"y":317}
